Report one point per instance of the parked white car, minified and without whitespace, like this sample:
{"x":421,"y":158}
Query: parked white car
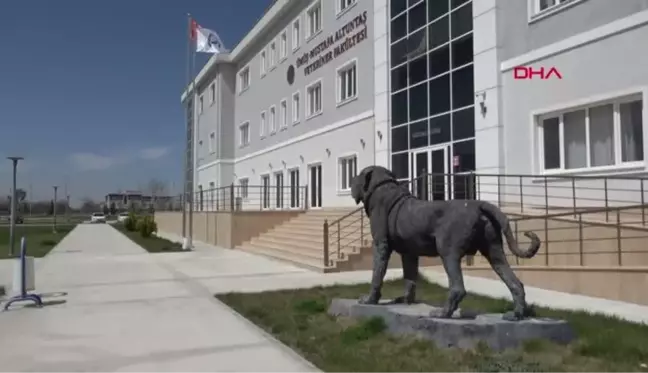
{"x":122,"y":217}
{"x":98,"y":217}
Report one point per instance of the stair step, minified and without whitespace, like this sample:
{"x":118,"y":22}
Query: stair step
{"x":308,"y":263}
{"x":290,"y":247}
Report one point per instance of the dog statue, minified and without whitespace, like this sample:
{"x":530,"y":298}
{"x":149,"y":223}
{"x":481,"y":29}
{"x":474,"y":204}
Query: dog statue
{"x":450,"y":230}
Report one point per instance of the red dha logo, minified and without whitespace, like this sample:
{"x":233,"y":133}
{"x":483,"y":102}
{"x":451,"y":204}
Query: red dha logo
{"x":528,"y":73}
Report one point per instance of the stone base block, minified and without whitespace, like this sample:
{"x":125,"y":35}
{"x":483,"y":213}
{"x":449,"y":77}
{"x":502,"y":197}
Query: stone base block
{"x":463,"y":330}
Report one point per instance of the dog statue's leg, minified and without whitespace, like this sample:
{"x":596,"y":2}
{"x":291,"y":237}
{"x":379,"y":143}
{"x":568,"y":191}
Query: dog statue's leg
{"x":456,"y":289}
{"x":410,"y":275}
{"x":494,"y":253}
{"x":381,"y":256}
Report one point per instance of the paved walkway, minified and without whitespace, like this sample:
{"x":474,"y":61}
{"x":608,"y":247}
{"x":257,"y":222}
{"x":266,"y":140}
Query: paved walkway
{"x":127,"y":310}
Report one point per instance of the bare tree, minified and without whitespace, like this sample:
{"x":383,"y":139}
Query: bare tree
{"x":156,"y":187}
{"x":89,"y":206}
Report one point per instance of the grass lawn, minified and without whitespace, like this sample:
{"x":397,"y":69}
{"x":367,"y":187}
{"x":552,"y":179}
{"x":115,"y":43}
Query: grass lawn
{"x":299,"y":319}
{"x":40,"y":239}
{"x":151,"y":244}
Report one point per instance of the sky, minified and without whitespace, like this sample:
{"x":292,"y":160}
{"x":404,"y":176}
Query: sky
{"x":90,"y":89}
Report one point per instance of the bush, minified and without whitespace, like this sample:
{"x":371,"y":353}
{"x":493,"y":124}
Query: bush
{"x":146,"y":226}
{"x":131,"y":222}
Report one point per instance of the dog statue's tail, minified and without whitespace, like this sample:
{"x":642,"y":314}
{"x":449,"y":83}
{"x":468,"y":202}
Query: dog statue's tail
{"x":495,"y":214}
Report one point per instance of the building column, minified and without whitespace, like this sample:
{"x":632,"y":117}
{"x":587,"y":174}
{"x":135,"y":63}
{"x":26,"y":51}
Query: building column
{"x":489,"y":141}
{"x":382,"y":144}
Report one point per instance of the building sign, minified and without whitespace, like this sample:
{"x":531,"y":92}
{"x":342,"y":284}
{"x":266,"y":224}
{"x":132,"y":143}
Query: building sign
{"x":343,"y":39}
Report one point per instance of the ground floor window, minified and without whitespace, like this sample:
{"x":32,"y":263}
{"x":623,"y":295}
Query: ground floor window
{"x":606,"y":134}
{"x":265,"y":191}
{"x":243,"y":188}
{"x":348,"y":169}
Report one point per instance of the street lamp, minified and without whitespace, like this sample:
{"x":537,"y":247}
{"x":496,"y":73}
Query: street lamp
{"x":12,"y":225}
{"x":54,"y":209}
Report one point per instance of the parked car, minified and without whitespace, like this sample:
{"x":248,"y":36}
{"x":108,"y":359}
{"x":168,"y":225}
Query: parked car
{"x":122,"y":217}
{"x":98,"y":217}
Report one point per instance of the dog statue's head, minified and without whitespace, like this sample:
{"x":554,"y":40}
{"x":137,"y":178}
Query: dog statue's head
{"x":363,"y":185}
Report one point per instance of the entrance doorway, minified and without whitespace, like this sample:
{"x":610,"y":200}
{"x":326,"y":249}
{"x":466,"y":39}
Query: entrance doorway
{"x":265,"y":191}
{"x":430,"y":173}
{"x":279,"y":184}
{"x":315,"y":172}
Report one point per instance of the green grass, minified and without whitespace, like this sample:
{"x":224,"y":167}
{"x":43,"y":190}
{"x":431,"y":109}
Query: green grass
{"x":299,"y":319}
{"x":40,"y":239}
{"x":151,"y":244}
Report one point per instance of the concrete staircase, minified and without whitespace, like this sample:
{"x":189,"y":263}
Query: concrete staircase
{"x":300,"y":240}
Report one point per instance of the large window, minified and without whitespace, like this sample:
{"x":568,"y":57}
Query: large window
{"x":273,"y":55}
{"x":283,"y":114}
{"x":347,"y":82}
{"x":262,"y":124}
{"x":243,"y":188}
{"x":542,"y":6}
{"x":244,"y":134}
{"x":314,"y":17}
{"x":607,"y":134}
{"x":295,"y":108}
{"x":344,"y":5}
{"x":432,"y":81}
{"x":283,"y":45}
{"x":262,"y":62}
{"x":296,"y":34}
{"x":273,"y":119}
{"x":244,"y":79}
{"x":348,"y":169}
{"x":314,"y":99}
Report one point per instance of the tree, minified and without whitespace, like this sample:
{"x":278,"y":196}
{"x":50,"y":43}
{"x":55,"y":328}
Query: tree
{"x":105,"y":210}
{"x":89,"y":206}
{"x":113,"y":208}
{"x":51,"y":208}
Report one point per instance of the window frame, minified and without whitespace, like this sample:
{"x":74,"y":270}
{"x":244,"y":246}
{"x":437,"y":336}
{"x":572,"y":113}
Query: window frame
{"x":272,"y":119}
{"x":283,"y":114}
{"x":263,"y":120}
{"x":201,"y":104}
{"x":263,"y":62}
{"x":616,"y":100}
{"x":341,"y":9}
{"x":535,"y":14}
{"x":348,"y":65}
{"x":283,"y":45}
{"x":244,"y":187}
{"x":212,"y":93}
{"x":296,"y":41}
{"x":244,"y":70}
{"x":212,"y":142}
{"x":310,"y":34}
{"x":345,"y":189}
{"x":272,"y":53}
{"x":245,"y":143}
{"x":310,"y":113}
{"x":296,"y":108}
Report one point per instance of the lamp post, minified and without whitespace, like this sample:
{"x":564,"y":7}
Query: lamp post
{"x":12,"y":224}
{"x":54,"y":209}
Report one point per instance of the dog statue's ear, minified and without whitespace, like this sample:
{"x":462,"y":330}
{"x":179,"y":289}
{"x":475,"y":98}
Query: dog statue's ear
{"x":367,"y":179}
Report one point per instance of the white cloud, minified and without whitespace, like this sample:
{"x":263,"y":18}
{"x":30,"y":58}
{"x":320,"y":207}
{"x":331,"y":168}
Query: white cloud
{"x":153,"y":153}
{"x":92,"y":162}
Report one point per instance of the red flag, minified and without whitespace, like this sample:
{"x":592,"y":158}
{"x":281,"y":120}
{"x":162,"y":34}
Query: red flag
{"x":194,"y":28}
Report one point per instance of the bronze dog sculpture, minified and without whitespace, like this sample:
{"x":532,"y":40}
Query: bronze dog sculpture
{"x":447,"y":229}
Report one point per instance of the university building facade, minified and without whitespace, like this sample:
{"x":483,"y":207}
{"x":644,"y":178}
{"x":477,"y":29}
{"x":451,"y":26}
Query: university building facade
{"x":319,"y":89}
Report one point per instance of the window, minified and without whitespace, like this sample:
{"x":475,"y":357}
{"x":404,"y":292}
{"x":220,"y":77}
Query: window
{"x":296,"y":34}
{"x":283,"y":46}
{"x":243,"y":188}
{"x":283,"y":114}
{"x":244,"y":79}
{"x":541,"y":6}
{"x":348,"y":169}
{"x":265,"y":198}
{"x":212,"y":93}
{"x":602,"y":135}
{"x":212,"y":142}
{"x":262,"y":62}
{"x":273,"y":120}
{"x":262,"y":124}
{"x":201,"y":105}
{"x":295,"y":107}
{"x":314,"y":15}
{"x":344,"y":5}
{"x":347,"y":82}
{"x":244,"y":134}
{"x":273,"y":55}
{"x":314,"y":95}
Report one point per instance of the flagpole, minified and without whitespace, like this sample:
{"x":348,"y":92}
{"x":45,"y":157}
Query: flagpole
{"x":195,"y":118}
{"x":185,"y":193}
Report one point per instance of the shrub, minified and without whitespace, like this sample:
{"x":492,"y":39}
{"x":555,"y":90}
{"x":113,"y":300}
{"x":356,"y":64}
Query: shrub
{"x":147,"y":226}
{"x":131,"y":222}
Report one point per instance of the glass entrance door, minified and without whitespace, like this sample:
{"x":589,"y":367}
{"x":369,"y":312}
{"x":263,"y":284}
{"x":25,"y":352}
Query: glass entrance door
{"x":429,"y":173}
{"x":315,"y":186}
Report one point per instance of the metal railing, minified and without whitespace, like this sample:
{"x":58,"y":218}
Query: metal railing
{"x":534,"y":197}
{"x":245,"y":198}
